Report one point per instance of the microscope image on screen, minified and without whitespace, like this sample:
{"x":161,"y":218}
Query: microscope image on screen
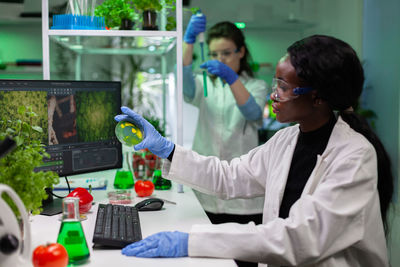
{"x":62,"y":119}
{"x":76,"y":120}
{"x":95,"y":115}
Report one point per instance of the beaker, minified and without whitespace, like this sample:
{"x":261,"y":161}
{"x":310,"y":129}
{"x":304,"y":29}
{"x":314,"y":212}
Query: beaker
{"x":123,"y":180}
{"x":152,"y":163}
{"x":138,"y":164}
{"x":71,"y":234}
{"x":159,"y":182}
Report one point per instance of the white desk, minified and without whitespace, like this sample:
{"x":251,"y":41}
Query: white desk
{"x":180,"y":217}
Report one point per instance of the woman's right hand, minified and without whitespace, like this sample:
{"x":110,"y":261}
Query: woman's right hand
{"x":153,"y":140}
{"x":197,"y":24}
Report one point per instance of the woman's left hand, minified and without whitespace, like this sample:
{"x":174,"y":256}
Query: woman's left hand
{"x":162,"y":244}
{"x":221,"y":70}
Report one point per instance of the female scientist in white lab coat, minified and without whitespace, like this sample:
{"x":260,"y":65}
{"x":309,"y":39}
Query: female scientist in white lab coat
{"x":327,"y":180}
{"x":230,"y":114}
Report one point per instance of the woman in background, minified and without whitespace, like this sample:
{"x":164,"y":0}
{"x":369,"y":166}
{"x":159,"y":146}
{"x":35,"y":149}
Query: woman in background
{"x":230,"y":115}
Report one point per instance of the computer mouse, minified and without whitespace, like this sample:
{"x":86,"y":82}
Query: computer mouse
{"x":150,"y":204}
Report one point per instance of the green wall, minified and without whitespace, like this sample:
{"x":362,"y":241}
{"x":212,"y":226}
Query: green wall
{"x":20,"y":40}
{"x":382,"y":67}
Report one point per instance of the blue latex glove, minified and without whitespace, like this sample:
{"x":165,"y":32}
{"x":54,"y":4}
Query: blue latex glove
{"x":163,"y":244}
{"x":197,"y":24}
{"x":221,"y":70}
{"x":152,"y":140}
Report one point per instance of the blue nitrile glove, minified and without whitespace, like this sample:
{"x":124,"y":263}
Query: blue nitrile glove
{"x":163,"y":244}
{"x":152,"y":140}
{"x":197,"y":24}
{"x":221,"y":70}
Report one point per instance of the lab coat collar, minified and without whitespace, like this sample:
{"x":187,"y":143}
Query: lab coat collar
{"x":333,"y":142}
{"x":340,"y":128}
{"x":288,"y":155}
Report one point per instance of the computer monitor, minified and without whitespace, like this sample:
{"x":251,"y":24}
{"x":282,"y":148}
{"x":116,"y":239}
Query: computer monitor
{"x":77,"y":118}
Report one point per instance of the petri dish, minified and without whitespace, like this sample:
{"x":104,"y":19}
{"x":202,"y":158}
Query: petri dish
{"x":128,"y":133}
{"x":119,"y":197}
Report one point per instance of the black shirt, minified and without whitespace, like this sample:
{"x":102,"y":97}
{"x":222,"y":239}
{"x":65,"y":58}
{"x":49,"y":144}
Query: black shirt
{"x":309,"y":145}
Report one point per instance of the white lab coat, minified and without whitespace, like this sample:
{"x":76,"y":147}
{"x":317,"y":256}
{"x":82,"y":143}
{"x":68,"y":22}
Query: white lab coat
{"x":335,"y":223}
{"x":223,"y":131}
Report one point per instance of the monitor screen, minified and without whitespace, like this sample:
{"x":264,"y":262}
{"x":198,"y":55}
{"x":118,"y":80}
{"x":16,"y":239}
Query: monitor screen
{"x":77,"y":118}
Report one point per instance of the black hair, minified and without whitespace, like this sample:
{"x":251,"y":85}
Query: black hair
{"x":332,"y":67}
{"x":229,"y":31}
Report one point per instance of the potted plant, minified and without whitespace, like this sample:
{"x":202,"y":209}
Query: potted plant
{"x":117,"y":13}
{"x":149,"y":10}
{"x":17,"y":167}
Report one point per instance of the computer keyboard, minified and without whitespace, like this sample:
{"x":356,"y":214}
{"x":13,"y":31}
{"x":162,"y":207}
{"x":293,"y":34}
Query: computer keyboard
{"x":116,"y":226}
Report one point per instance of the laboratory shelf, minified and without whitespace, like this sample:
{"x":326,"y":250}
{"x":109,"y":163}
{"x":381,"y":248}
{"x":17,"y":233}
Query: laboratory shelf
{"x":108,"y":42}
{"x":117,"y":45}
{"x":113,"y":33}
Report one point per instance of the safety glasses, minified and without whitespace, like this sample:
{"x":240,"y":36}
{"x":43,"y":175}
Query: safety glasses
{"x":222,"y":54}
{"x":283,"y":92}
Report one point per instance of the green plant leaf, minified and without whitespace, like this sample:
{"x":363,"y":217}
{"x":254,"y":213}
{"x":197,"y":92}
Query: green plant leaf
{"x":25,"y":128}
{"x":32,"y":114}
{"x":17,"y":169}
{"x":115,"y":10}
{"x":10,"y":131}
{"x":194,"y":10}
{"x":37,"y":129}
{"x":19,"y":140}
{"x":143,"y":5}
{"x":21,"y":110}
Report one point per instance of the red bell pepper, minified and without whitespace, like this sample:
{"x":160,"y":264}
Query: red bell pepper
{"x":85,"y":199}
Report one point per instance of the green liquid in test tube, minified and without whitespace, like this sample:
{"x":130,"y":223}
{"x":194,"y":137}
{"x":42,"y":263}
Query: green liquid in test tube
{"x":205,"y":83}
{"x":201,"y":41}
{"x":71,"y":234}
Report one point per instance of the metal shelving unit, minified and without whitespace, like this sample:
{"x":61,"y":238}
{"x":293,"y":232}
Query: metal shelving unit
{"x":101,"y":45}
{"x":162,"y":42}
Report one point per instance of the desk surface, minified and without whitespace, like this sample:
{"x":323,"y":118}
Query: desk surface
{"x":180,"y":217}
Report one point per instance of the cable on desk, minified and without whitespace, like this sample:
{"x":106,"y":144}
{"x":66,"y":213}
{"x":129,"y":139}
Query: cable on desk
{"x":69,"y":189}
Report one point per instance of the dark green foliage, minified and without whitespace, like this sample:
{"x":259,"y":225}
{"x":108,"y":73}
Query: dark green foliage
{"x":10,"y":101}
{"x":115,"y":10}
{"x":143,"y":5}
{"x":95,"y":116}
{"x":17,"y":168}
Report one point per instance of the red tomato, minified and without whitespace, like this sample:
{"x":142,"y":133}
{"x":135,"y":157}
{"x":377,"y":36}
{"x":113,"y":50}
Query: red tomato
{"x":144,"y":188}
{"x":85,"y":199}
{"x":50,"y":255}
